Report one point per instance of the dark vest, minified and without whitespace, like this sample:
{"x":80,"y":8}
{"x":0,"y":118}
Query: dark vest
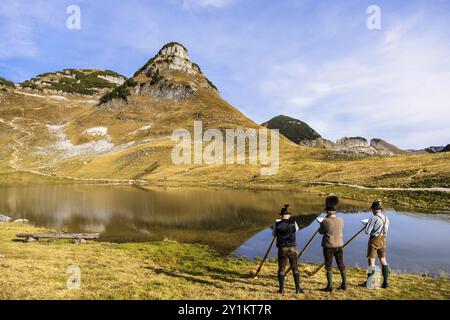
{"x":285,"y":231}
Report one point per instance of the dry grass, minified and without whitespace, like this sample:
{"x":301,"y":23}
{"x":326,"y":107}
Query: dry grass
{"x":151,"y":161}
{"x":166,"y":270}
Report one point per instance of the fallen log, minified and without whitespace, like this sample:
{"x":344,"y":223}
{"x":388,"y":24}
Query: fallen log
{"x":75,"y":236}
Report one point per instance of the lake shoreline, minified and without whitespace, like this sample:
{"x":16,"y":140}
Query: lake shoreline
{"x":226,"y":220}
{"x":168,"y":270}
{"x":419,"y":200}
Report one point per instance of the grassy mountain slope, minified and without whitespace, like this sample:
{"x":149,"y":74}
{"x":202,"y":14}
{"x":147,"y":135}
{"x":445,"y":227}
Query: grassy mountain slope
{"x":293,"y":129}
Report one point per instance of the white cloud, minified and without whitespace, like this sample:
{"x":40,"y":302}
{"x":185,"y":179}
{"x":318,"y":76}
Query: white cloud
{"x":395,"y":89}
{"x":16,"y":40}
{"x":18,"y":20}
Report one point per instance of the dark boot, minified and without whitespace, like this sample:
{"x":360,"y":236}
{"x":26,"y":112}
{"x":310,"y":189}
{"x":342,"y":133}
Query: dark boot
{"x":281,"y":282}
{"x":386,"y":272}
{"x":329,"y":287}
{"x":344,"y":280}
{"x":298,"y":289}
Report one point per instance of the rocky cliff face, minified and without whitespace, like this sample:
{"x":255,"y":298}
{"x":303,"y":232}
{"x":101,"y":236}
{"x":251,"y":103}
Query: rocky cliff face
{"x":166,"y":90}
{"x":352,"y":142}
{"x":354,"y":146}
{"x":318,"y":143}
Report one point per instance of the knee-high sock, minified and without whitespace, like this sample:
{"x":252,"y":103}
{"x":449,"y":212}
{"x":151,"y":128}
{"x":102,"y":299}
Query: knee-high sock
{"x":330,"y":279}
{"x":281,"y":281}
{"x":297,"y":280}
{"x":344,"y":278}
{"x":385,"y":269}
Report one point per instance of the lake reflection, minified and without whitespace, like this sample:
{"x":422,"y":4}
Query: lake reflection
{"x":222,"y":218}
{"x":229,"y":220}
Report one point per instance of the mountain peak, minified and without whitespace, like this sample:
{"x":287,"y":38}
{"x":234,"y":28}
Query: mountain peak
{"x":174,"y":48}
{"x":168,"y":75}
{"x":172,"y":56}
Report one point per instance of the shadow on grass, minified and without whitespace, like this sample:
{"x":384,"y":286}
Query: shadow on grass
{"x":185,"y":277}
{"x":235,"y":277}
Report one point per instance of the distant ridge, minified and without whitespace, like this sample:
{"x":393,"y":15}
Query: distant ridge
{"x":293,"y":129}
{"x":301,"y":133}
{"x":434,"y":149}
{"x":86,"y":82}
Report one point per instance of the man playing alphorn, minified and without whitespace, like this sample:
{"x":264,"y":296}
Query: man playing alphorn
{"x":332,"y":229}
{"x":377,"y":228}
{"x":285,"y":231}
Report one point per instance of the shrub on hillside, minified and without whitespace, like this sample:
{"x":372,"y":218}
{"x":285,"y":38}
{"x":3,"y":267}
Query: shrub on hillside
{"x":6,"y":83}
{"x":121,"y":92}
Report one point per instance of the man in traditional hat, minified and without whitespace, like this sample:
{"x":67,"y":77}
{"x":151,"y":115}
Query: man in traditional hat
{"x":332,"y":229}
{"x":377,"y":228}
{"x":285,"y":231}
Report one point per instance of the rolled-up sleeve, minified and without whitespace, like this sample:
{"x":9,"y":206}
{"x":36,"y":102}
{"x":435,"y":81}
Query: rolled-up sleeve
{"x":386,"y":226}
{"x":369,"y":226}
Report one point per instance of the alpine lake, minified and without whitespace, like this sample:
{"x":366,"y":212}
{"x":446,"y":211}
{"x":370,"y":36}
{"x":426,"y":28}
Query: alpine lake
{"x":233,"y":222}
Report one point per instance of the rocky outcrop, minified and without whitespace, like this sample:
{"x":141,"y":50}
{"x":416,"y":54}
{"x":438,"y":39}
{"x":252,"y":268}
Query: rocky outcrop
{"x":434,"y":149}
{"x":352,"y":142}
{"x":167,"y":90}
{"x":117,"y":80}
{"x":356,"y":147}
{"x":318,"y":143}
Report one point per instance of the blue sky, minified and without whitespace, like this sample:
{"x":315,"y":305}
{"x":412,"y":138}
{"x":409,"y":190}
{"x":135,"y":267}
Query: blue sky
{"x":314,"y":60}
